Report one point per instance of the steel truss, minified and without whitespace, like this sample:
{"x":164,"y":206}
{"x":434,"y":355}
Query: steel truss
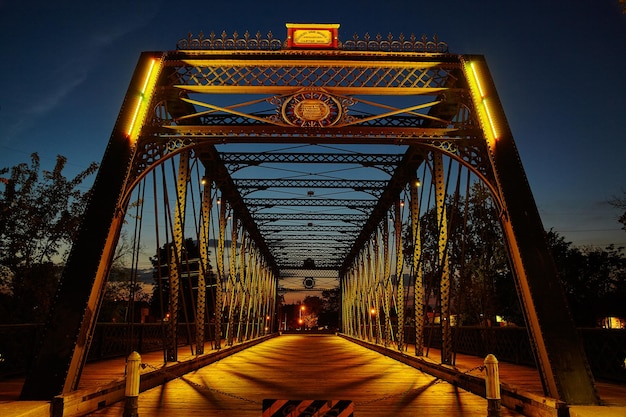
{"x":194,"y":104}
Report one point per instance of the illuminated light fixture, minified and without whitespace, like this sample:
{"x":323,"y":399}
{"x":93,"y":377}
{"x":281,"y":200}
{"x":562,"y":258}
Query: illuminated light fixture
{"x":141,"y":98}
{"x":480,"y":87}
{"x":484,"y":101}
{"x":402,"y":203}
{"x":493,"y":127}
{"x":418,"y":183}
{"x":219,"y":201}
{"x":203,"y":181}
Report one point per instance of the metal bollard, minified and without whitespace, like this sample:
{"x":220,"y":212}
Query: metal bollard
{"x":492,"y":384}
{"x":132,"y":385}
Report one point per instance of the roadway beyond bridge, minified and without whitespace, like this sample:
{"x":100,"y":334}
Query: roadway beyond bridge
{"x":309,"y":367}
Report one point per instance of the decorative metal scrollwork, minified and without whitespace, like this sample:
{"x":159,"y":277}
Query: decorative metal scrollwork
{"x":389,"y":44}
{"x":235,"y":42}
{"x":270,"y":43}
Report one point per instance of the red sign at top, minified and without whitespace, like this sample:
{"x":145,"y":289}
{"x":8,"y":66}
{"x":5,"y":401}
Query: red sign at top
{"x":312,"y":35}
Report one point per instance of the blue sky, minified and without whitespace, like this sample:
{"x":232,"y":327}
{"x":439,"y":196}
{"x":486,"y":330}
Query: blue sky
{"x":558,"y":65}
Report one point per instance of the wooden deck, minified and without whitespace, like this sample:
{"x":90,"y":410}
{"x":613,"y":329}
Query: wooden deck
{"x":303,"y":367}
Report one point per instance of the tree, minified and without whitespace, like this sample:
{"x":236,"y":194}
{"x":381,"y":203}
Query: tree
{"x":594,"y":279}
{"x":331,"y":307}
{"x":481,"y":281}
{"x":189,"y":270}
{"x":123,"y":289}
{"x":620,"y":203}
{"x":40,"y":212}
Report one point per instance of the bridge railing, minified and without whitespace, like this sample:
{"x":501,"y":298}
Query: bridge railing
{"x":606,"y":348}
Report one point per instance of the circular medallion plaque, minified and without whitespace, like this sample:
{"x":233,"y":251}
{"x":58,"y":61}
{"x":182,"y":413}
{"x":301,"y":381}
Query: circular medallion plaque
{"x":311,"y":109}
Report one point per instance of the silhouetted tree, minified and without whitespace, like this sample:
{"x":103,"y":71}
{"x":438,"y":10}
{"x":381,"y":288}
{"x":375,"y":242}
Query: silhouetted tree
{"x":594,"y":279}
{"x":481,"y":280}
{"x":331,"y":307}
{"x":40,"y":212}
{"x":189,"y":269}
{"x":620,"y":203}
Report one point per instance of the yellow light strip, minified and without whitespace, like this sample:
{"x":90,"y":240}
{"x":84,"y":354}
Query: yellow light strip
{"x":483,"y":102}
{"x":480,"y":87}
{"x":141,"y":98}
{"x":491,"y":123}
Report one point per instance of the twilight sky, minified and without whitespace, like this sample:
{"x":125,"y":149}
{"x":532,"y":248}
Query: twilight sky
{"x":559,"y":67}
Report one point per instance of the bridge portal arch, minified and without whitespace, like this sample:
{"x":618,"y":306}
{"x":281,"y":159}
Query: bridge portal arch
{"x":344,"y":97}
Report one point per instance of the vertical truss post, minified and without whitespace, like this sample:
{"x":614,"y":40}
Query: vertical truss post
{"x":254,"y":283}
{"x":203,"y":276}
{"x":418,"y":278}
{"x":231,"y":288}
{"x":444,"y":286}
{"x":347,"y":302}
{"x":388,"y":287}
{"x":258,"y":300}
{"x":370,"y":285}
{"x":267,"y":299}
{"x":176,"y":255}
{"x":268,"y":287}
{"x":399,"y":277}
{"x":376,"y":285}
{"x":219,"y":285}
{"x":353,"y":303}
{"x":362,"y":305}
{"x":245,"y":280}
{"x":240,"y":293}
